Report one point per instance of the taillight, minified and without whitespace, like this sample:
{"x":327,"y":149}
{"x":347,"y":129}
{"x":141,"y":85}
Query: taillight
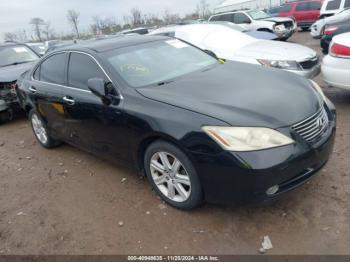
{"x":340,"y":51}
{"x":330,"y":30}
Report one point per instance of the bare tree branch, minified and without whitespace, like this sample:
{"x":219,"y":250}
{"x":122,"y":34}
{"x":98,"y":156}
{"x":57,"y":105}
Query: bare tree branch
{"x":73,"y":19}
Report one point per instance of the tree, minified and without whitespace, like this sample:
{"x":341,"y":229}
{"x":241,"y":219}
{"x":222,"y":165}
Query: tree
{"x":48,"y":31}
{"x":202,"y":9}
{"x":73,"y":19}
{"x":10,"y":37}
{"x":170,"y":18}
{"x":136,"y":17}
{"x":37,"y":22}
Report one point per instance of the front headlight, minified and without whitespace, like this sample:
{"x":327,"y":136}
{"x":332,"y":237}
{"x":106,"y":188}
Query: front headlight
{"x":242,"y":139}
{"x":279,"y":28}
{"x":318,"y":90}
{"x":290,"y":65}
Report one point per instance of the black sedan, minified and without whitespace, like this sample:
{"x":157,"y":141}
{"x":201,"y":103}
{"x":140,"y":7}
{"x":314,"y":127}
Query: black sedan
{"x":200,"y":130}
{"x":332,"y":30}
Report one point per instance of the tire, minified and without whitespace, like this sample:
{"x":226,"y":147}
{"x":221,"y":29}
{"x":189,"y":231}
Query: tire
{"x":170,"y":183}
{"x":41,"y":132}
{"x":6,"y":116}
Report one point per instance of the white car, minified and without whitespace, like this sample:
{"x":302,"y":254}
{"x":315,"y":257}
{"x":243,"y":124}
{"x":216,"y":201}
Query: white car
{"x":258,"y":20}
{"x":232,"y":45}
{"x":318,"y":27}
{"x":331,"y":7}
{"x":336,"y":65}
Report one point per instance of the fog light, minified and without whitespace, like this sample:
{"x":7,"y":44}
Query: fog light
{"x":272,"y":190}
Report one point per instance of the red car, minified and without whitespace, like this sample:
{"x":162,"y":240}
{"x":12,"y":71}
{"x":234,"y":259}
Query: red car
{"x":304,"y":12}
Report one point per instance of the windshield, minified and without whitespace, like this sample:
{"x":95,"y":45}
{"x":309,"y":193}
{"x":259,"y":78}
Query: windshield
{"x":158,"y":62}
{"x":11,"y":55}
{"x":258,"y":14}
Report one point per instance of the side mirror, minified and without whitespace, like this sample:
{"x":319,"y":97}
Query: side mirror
{"x":97,"y":87}
{"x":212,"y":54}
{"x":247,"y":21}
{"x":103,"y":90}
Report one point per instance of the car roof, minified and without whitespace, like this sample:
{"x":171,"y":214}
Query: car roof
{"x":117,"y":42}
{"x":10,"y":44}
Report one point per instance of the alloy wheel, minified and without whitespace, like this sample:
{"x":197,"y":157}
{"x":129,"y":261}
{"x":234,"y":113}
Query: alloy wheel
{"x":39,"y":129}
{"x":170,"y":176}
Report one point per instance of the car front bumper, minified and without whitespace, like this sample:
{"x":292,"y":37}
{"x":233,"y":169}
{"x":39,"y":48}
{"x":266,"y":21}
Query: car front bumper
{"x":308,"y":73}
{"x":238,"y":178}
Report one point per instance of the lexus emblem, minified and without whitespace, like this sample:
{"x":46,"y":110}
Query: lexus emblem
{"x":320,"y":123}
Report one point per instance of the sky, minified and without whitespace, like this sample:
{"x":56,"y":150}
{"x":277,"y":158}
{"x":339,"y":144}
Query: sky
{"x":16,"y":14}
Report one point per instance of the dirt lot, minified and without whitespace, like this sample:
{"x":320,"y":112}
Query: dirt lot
{"x":65,"y":201}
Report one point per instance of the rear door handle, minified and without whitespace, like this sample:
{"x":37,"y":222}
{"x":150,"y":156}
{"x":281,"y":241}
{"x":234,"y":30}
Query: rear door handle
{"x":69,"y":100}
{"x":32,"y":89}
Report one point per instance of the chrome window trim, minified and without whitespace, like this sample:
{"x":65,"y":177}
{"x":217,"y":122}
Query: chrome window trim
{"x":120,"y":96}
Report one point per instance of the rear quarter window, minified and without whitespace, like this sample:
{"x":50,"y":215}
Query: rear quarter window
{"x":347,"y":3}
{"x":224,"y":17}
{"x":52,"y":70}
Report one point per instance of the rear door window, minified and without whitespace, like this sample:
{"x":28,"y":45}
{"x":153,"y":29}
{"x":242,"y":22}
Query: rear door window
{"x":240,"y":18}
{"x":225,"y":17}
{"x":302,"y":7}
{"x":81,"y":68}
{"x":52,"y":70}
{"x":333,"y":5}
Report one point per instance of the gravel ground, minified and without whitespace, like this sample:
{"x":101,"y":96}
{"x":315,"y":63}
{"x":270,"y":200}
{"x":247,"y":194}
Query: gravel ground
{"x":65,"y":201}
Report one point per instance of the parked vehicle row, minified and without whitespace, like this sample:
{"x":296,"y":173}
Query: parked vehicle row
{"x":233,"y":45}
{"x":257,"y":20}
{"x":201,"y":129}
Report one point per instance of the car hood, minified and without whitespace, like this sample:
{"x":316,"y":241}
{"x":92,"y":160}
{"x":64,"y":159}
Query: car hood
{"x":12,"y":73}
{"x":264,"y":49}
{"x":262,"y":35}
{"x":277,"y":19}
{"x":241,"y":95}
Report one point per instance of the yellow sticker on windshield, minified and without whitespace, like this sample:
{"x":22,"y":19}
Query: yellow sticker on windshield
{"x":134,"y":69}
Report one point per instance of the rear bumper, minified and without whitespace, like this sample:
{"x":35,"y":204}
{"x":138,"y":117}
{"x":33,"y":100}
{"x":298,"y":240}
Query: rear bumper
{"x":241,"y":178}
{"x":336,"y":72}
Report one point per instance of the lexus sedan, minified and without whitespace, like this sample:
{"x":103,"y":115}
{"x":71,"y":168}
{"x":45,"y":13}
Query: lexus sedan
{"x":200,"y":129}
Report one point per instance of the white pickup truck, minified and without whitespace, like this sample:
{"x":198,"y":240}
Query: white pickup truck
{"x":258,"y":20}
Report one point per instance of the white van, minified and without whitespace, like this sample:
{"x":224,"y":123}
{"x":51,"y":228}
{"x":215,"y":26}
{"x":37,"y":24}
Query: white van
{"x":331,"y":7}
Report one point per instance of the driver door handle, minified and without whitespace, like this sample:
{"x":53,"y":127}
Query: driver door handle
{"x":32,"y":89}
{"x":69,"y":100}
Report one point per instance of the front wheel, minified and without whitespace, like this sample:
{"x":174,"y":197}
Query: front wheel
{"x":173,"y":176}
{"x":41,"y":132}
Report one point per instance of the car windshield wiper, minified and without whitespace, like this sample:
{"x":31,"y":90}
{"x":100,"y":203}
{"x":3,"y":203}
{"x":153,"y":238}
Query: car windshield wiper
{"x":164,"y":83}
{"x":18,"y":63}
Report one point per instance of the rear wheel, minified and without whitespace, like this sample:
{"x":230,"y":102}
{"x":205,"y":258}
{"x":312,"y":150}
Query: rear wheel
{"x":6,"y":116}
{"x":172,"y":175}
{"x":41,"y":132}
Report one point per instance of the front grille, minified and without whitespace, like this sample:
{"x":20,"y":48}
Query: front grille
{"x":312,"y":128}
{"x":287,"y":24}
{"x":6,"y":92}
{"x":309,"y":63}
